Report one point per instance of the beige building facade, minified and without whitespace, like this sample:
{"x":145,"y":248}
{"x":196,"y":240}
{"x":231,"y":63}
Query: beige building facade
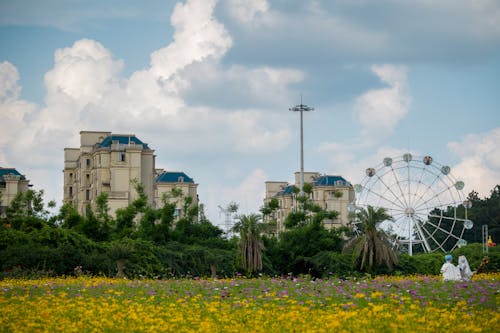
{"x":110,"y":163}
{"x":114,"y":163}
{"x":167,"y":182}
{"x":11,"y":183}
{"x":332,"y":193}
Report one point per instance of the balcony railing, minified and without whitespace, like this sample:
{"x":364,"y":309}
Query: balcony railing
{"x":123,"y":146}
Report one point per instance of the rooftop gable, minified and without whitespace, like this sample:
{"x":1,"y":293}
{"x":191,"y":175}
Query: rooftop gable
{"x":121,"y":139}
{"x":287,"y":190}
{"x":331,"y":181}
{"x":174,"y":177}
{"x":7,"y":171}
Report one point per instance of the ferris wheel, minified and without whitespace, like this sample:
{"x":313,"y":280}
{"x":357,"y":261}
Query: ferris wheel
{"x":426,"y":203}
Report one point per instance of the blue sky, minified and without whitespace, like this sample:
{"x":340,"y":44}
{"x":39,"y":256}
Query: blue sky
{"x":208,"y":84}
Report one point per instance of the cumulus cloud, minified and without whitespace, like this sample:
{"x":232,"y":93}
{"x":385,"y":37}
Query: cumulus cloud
{"x":9,"y":89}
{"x":378,"y":111}
{"x":13,"y":110}
{"x":198,"y":35}
{"x":479,"y":165}
{"x":85,"y":88}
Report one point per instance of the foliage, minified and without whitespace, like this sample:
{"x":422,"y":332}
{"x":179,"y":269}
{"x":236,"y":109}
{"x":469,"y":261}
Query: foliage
{"x":484,"y":212}
{"x":331,"y":264}
{"x":372,"y":247}
{"x":297,"y":246}
{"x":153,"y":242}
{"x":251,"y":244}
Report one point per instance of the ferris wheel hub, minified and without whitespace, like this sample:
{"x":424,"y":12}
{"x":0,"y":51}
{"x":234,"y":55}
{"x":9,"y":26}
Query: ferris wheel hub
{"x":409,"y":211}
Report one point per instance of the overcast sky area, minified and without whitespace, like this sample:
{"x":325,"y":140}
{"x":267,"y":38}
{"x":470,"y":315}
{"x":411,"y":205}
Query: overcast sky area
{"x":208,"y":84}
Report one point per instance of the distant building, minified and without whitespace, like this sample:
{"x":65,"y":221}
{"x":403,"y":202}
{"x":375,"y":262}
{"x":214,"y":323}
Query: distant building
{"x":11,"y":183}
{"x":112,"y":163}
{"x":166,"y":181}
{"x":332,"y":193}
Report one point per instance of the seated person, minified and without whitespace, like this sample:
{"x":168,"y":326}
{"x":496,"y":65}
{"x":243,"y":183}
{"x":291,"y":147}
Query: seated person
{"x":450,"y":272}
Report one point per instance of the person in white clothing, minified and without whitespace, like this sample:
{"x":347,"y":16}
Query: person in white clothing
{"x":450,"y":272}
{"x":464,"y":267}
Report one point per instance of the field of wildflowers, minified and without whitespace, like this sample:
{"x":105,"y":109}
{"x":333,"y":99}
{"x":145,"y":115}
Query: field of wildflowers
{"x":383,"y":304}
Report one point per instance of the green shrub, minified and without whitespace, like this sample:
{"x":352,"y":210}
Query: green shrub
{"x":329,"y":263}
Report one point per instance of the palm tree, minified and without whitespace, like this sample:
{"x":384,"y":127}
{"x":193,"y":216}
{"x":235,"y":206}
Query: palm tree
{"x":251,"y":245}
{"x":373,"y":245}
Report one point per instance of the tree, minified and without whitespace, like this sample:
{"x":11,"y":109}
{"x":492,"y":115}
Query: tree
{"x":372,"y":246}
{"x":102,"y":210}
{"x":484,"y":212}
{"x":27,"y":211}
{"x":251,"y":244}
{"x":269,"y":216}
{"x":297,"y":246}
{"x":68,"y":217}
{"x":119,"y":251}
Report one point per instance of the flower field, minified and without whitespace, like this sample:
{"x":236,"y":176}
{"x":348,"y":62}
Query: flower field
{"x":383,"y":304}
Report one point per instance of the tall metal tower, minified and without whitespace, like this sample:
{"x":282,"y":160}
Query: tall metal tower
{"x":301,"y":108}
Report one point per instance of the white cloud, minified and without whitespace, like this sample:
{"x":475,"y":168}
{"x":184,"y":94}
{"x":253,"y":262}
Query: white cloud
{"x":85,"y":91}
{"x":13,"y":110}
{"x":84,"y":88}
{"x":351,"y":160}
{"x":9,"y":89}
{"x":248,"y":194}
{"x":479,"y":167}
{"x":198,"y":35}
{"x":84,"y":72}
{"x":247,"y":11}
{"x":378,"y":111}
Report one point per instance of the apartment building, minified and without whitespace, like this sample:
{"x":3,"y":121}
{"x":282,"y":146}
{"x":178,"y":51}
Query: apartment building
{"x":332,"y":193}
{"x":114,"y":163}
{"x":107,"y":162}
{"x":11,"y":183}
{"x":167,"y":181}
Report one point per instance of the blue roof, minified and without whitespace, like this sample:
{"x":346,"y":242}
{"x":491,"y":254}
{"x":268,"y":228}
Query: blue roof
{"x":173,"y":177}
{"x":6,"y":171}
{"x":287,"y":190}
{"x":331,"y":181}
{"x":122,"y":139}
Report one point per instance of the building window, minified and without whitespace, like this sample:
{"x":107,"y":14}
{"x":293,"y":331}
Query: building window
{"x":88,"y":162}
{"x":70,"y":176}
{"x":339,"y":183}
{"x":87,"y":195}
{"x":70,"y":191}
{"x":180,"y":179}
{"x":122,"y":157}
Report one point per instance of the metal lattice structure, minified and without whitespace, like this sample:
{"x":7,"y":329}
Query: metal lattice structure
{"x":425,"y":200}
